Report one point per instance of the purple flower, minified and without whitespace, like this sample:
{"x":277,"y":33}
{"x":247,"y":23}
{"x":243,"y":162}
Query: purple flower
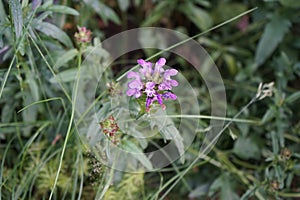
{"x":149,"y":101}
{"x":135,"y":86}
{"x":150,"y":89}
{"x":169,"y":73}
{"x":167,"y":82}
{"x":155,"y":83}
{"x":169,"y":95}
{"x":147,"y":68}
{"x":83,"y":35}
{"x":159,"y":66}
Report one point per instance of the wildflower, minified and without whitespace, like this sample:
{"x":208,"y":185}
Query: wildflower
{"x":265,"y":90}
{"x":113,"y":89}
{"x":83,"y":35}
{"x":286,"y":153}
{"x":153,"y":81}
{"x":110,"y":128}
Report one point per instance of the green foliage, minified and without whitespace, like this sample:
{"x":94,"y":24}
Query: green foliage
{"x":272,"y":36}
{"x":16,"y":12}
{"x":104,"y":11}
{"x":42,"y":154}
{"x":131,"y":187}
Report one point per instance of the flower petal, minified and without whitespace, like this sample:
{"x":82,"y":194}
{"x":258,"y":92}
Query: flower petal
{"x":147,"y":68}
{"x":135,"y":84}
{"x":150,"y":85}
{"x":138,"y":94}
{"x":159,"y":99}
{"x":132,"y":74}
{"x":164,"y":86}
{"x":173,"y":83}
{"x":148,"y":102}
{"x":161,"y":62}
{"x":170,"y":72}
{"x":159,"y":66}
{"x":169,"y":95}
{"x":141,"y":62}
{"x":130,"y":92}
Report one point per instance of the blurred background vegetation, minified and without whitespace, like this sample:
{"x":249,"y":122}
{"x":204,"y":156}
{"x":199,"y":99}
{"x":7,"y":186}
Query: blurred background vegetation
{"x":258,"y":160}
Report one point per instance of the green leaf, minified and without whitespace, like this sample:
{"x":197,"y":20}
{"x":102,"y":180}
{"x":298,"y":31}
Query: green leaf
{"x":168,"y":130}
{"x":3,"y":16}
{"x":203,"y":3}
{"x":25,"y":3}
{"x":231,"y":63}
{"x":210,"y":43}
{"x":227,"y":185}
{"x":158,"y":13}
{"x":7,"y":111}
{"x":137,"y":153}
{"x":248,"y":193}
{"x":294,"y":97}
{"x":139,"y":137}
{"x":34,"y":88}
{"x":123,"y":4}
{"x":137,"y":2}
{"x":65,"y":76}
{"x":65,"y":58}
{"x":269,"y":115}
{"x":105,"y":12}
{"x":151,"y":38}
{"x":199,"y":191}
{"x":246,"y":148}
{"x":16,"y":12}
{"x":290,"y":3}
{"x":197,"y":15}
{"x":272,"y":36}
{"x":171,"y":133}
{"x":225,"y":10}
{"x":296,"y":68}
{"x":55,"y":32}
{"x":227,"y":190}
{"x":30,"y":114}
{"x":59,"y":9}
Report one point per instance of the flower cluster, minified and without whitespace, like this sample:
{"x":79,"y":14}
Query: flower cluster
{"x":154,"y":81}
{"x":110,"y":128}
{"x":83,"y":35}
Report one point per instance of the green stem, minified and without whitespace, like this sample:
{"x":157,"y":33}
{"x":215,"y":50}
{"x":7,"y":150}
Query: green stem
{"x":210,"y":117}
{"x":285,"y":194}
{"x":70,"y":124}
{"x":42,"y":101}
{"x":202,"y":117}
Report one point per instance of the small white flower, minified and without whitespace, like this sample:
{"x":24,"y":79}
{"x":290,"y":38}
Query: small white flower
{"x":265,"y":90}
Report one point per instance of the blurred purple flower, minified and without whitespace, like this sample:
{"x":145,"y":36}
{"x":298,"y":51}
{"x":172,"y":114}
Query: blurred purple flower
{"x":155,"y":83}
{"x":169,"y":95}
{"x":83,"y":35}
{"x":150,"y":89}
{"x":147,"y":68}
{"x":135,"y":86}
